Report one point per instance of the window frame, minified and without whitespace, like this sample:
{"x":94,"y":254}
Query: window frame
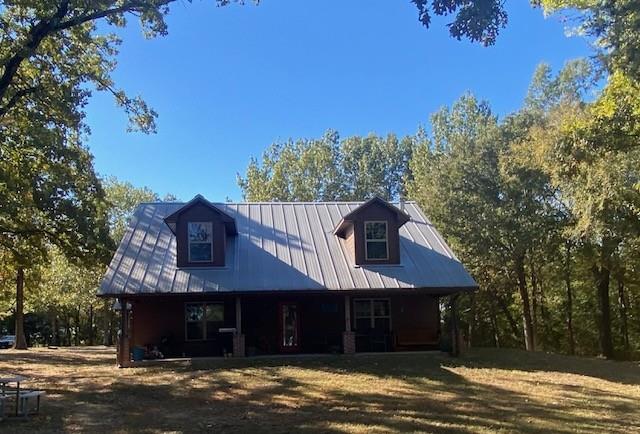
{"x":189,"y":242}
{"x":372,"y":316}
{"x":367,"y":240}
{"x":203,"y":321}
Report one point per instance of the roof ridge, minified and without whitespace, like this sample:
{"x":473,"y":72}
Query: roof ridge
{"x":275,"y":202}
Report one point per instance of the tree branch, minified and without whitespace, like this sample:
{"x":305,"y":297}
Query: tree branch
{"x":37,"y":33}
{"x":15,"y":98}
{"x":54,"y":24}
{"x":127,"y":7}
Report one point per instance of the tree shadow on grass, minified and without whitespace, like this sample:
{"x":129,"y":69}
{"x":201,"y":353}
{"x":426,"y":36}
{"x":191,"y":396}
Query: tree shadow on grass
{"x":388,"y":393}
{"x":623,"y":372}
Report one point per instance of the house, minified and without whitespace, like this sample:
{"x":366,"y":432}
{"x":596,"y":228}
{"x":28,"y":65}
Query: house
{"x":209,"y":279}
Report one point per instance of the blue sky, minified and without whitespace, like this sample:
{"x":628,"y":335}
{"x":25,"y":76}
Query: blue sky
{"x":227,"y":82}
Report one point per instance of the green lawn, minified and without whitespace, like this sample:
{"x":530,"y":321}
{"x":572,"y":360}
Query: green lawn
{"x":484,"y":391}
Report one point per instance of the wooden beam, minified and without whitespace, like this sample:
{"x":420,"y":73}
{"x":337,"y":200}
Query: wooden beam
{"x":123,"y":341}
{"x":455,"y":332}
{"x":238,"y":315}
{"x":347,"y":313}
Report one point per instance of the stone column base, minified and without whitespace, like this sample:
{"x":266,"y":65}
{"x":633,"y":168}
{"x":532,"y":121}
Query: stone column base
{"x":348,"y":342}
{"x":238,"y":345}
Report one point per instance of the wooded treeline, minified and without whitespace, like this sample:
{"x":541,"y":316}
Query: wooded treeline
{"x":542,"y":205}
{"x":60,"y":293}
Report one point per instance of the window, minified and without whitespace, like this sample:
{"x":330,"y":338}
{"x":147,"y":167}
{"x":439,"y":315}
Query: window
{"x":200,"y":235}
{"x":372,"y":314}
{"x":375,"y":240}
{"x":203,"y":320}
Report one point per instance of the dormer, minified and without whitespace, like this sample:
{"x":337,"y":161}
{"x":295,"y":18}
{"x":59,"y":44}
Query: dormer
{"x":201,"y":231}
{"x":371,"y":232}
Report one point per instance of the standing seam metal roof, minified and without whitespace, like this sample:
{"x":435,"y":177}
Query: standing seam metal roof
{"x":280,"y":246}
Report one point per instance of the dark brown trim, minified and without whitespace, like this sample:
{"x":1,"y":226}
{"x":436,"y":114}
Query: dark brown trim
{"x":204,"y":321}
{"x":403,"y":217}
{"x":430,"y":291}
{"x":296,"y":347}
{"x":229,"y":221}
{"x":371,"y":299}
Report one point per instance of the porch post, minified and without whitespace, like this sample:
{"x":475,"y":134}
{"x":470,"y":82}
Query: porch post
{"x":455,"y":330}
{"x":123,"y":350}
{"x":238,"y":337}
{"x":348,"y":337}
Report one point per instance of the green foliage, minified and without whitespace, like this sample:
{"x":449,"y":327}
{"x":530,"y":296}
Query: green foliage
{"x":329,"y":169}
{"x":477,"y":21}
{"x":592,"y":153}
{"x":50,"y":196}
{"x":541,"y":206}
{"x":123,"y":198}
{"x":53,"y":54}
{"x":61,"y":290}
{"x":613,"y":25}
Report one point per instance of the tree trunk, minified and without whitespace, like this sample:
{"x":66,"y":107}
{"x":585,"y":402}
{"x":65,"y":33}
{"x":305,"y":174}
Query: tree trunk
{"x":529,"y":339}
{"x":67,"y":327}
{"x":472,"y":321}
{"x":494,"y":326}
{"x":21,"y":341}
{"x":56,"y":329}
{"x":569,"y":313}
{"x":76,"y":340}
{"x":602,"y":276}
{"x":534,"y":307}
{"x":108,"y":324}
{"x":622,"y":305}
{"x":52,"y":322}
{"x":544,"y":320}
{"x":512,"y":322}
{"x":455,"y":331}
{"x":91,"y":324}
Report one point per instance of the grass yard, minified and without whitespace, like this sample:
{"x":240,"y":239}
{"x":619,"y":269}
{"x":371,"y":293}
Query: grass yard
{"x":484,"y":391}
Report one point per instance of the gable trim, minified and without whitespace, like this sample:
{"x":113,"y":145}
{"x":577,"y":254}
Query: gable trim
{"x":230,"y":223}
{"x":348,"y":219}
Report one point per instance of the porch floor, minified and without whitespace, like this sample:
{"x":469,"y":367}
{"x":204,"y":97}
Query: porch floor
{"x":189,"y":360}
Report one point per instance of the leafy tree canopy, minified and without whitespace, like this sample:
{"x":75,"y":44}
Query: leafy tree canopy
{"x":329,"y":169}
{"x":613,"y":24}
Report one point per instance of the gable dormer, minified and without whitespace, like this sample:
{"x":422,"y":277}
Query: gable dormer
{"x":201,"y":231}
{"x":371,"y":232}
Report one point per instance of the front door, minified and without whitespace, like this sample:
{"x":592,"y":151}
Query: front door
{"x":289,"y":327}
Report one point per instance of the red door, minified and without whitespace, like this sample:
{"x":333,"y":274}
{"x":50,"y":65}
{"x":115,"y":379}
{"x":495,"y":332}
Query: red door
{"x":289,"y":318}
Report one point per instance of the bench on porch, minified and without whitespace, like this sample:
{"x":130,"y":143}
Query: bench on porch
{"x":416,"y":337}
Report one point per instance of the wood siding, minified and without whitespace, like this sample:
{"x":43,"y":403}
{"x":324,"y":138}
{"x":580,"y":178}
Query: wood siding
{"x":350,"y":244}
{"x":200,"y":213}
{"x":160,"y":321}
{"x":321,"y":323}
{"x":376,"y":212}
{"x":415,"y":323}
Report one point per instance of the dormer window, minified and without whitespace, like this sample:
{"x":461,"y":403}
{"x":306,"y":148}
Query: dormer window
{"x":200,"y":236}
{"x":376,"y":240}
{"x":370,"y":233}
{"x":201,"y":229}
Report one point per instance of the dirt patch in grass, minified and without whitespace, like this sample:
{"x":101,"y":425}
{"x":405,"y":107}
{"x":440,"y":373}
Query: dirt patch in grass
{"x":484,"y":391}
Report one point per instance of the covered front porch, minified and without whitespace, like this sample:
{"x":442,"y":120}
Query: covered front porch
{"x":255,"y":324}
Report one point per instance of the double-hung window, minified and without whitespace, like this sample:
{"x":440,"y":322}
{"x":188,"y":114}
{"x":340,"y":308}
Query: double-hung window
{"x":203,"y":320}
{"x":376,"y":241}
{"x":372,"y":314}
{"x":200,"y":235}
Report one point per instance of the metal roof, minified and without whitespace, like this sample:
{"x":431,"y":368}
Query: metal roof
{"x":280,"y":246}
